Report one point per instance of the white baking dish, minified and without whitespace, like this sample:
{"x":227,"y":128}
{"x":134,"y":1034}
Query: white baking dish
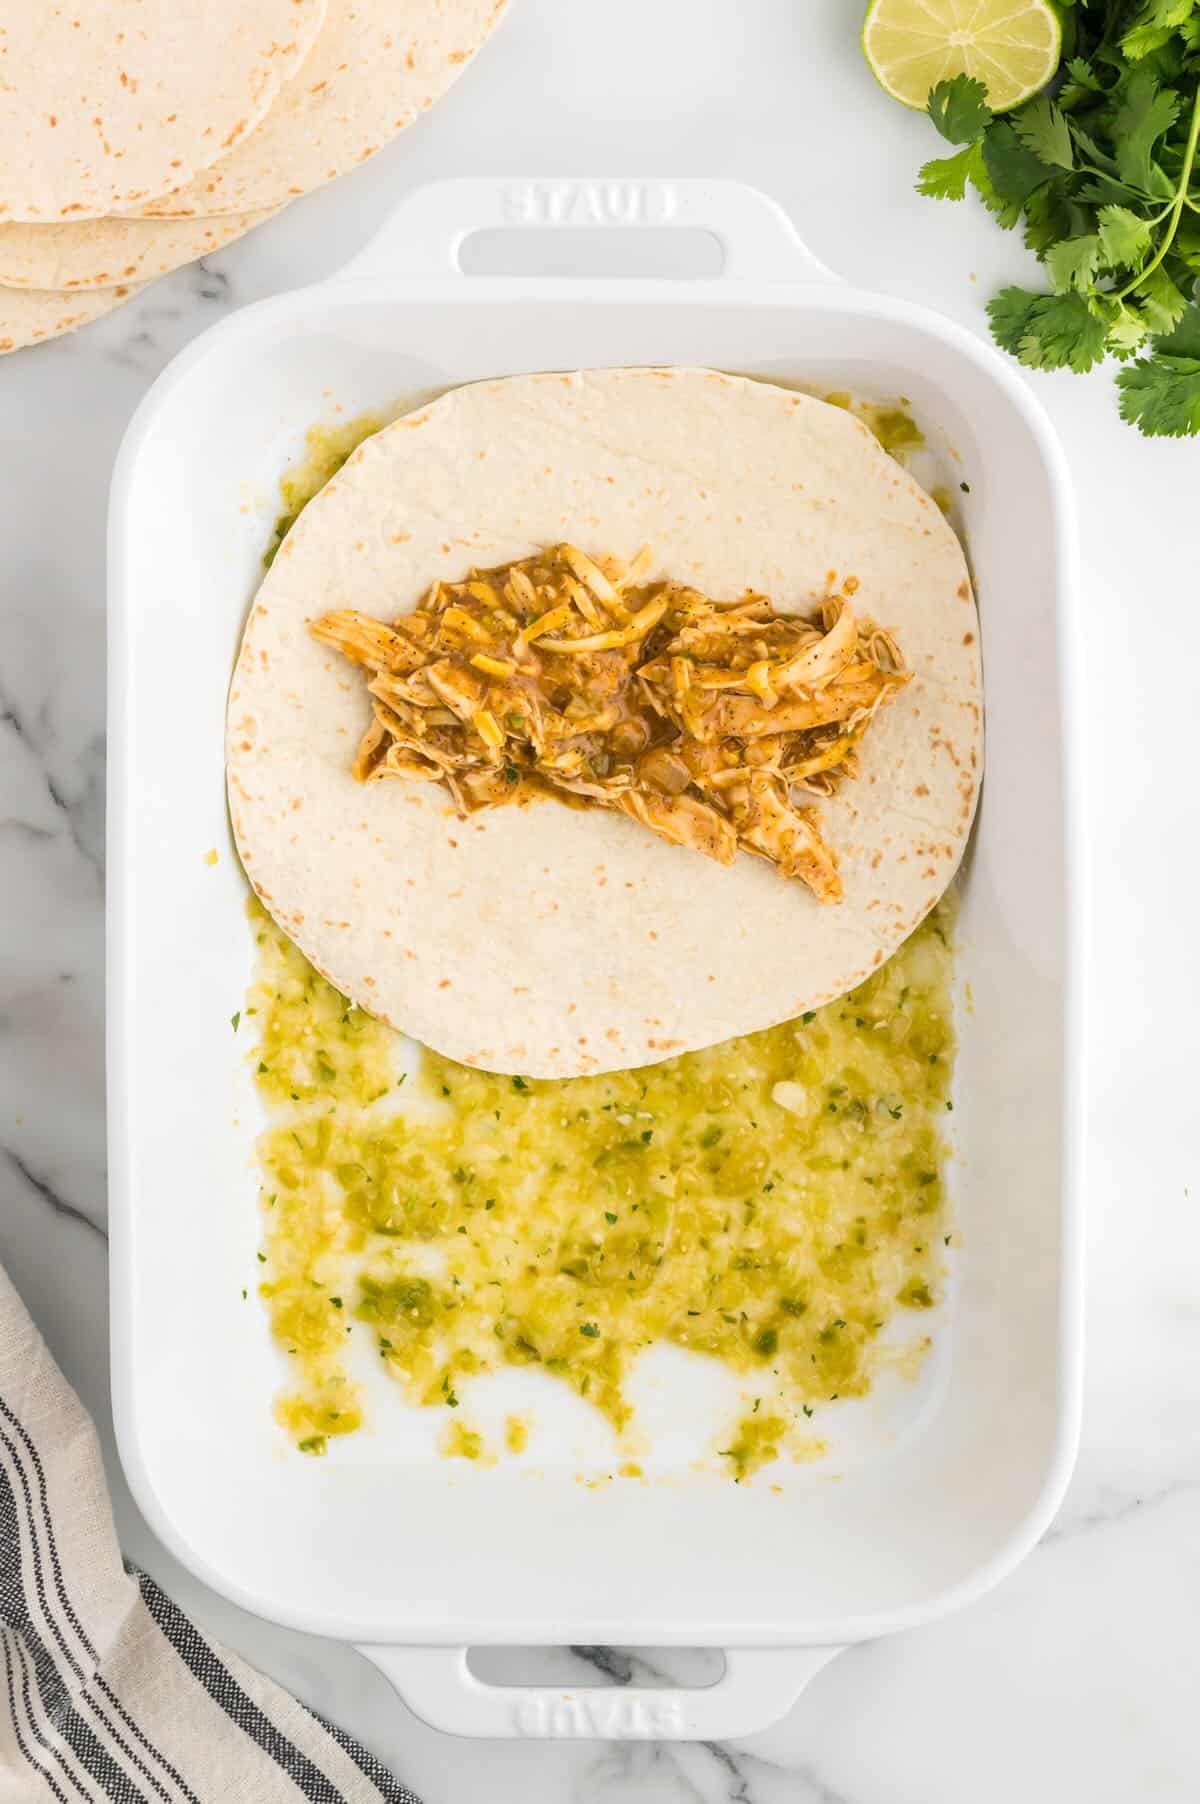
{"x":412,"y":1557}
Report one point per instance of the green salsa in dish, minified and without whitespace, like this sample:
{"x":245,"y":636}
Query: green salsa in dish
{"x":327,"y":449}
{"x":770,"y":1203}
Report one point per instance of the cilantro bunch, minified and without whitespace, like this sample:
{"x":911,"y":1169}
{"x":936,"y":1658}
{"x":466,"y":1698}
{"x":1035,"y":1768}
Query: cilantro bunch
{"x":1101,"y":170}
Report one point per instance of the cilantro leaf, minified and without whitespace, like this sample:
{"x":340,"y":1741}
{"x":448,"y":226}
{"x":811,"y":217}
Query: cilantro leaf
{"x":1154,"y":25}
{"x":1062,"y":332}
{"x":1184,"y":341}
{"x":1127,"y":331}
{"x":1051,"y":213}
{"x":946,"y":178}
{"x":959,"y":109}
{"x":1124,"y":238}
{"x":1187,"y":243}
{"x":1160,"y":395}
{"x":1082,"y":81}
{"x":1092,"y":150}
{"x":1146,"y":112}
{"x":1043,"y":130}
{"x":1014,"y":169}
{"x":1009,"y":313}
{"x":1160,"y":302}
{"x":1072,"y":262}
{"x":1006,"y":213}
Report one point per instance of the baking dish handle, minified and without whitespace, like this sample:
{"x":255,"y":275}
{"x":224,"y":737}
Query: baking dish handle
{"x":758,"y":1687}
{"x":425,"y":233}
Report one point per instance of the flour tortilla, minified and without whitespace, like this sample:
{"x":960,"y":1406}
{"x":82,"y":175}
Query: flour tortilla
{"x":105,"y":104}
{"x":376,"y":65}
{"x":547,"y":940}
{"x":106,"y":253}
{"x":27,"y":315}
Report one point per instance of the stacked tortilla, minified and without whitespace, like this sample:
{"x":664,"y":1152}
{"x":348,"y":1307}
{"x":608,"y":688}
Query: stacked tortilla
{"x":136,"y":137}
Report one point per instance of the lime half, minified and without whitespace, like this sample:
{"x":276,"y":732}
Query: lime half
{"x":1011,"y":46}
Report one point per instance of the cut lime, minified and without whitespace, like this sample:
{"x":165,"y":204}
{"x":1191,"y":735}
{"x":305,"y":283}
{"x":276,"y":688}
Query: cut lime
{"x":1011,"y":46}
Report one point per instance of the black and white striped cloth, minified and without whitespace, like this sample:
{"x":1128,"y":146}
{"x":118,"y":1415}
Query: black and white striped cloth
{"x":107,"y":1690}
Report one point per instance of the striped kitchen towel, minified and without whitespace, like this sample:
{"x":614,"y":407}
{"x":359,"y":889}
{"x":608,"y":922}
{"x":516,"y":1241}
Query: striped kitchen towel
{"x":107,"y":1691}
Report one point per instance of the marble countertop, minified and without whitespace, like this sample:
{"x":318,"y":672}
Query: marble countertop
{"x":1077,"y":1677}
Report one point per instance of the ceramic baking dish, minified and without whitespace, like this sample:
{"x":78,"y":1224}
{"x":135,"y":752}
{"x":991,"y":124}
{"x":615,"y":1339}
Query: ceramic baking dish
{"x":935,"y":1490}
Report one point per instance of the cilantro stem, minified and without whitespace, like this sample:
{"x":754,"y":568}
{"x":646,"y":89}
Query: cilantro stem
{"x":1177,"y":205}
{"x":1157,"y":218}
{"x":1106,"y":175}
{"x":1111,"y":15}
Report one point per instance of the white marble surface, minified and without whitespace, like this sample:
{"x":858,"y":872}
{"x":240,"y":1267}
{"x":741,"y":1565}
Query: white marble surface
{"x":1077,"y":1678}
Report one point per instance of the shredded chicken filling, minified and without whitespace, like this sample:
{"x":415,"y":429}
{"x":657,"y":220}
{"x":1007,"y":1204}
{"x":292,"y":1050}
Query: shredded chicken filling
{"x":717,"y":725}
